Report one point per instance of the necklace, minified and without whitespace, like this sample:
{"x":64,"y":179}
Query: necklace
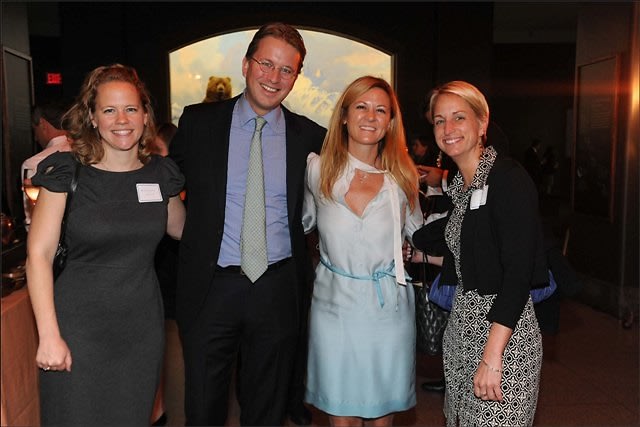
{"x":362,"y":176}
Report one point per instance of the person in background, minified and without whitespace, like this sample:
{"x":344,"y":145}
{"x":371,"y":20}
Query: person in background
{"x":550,"y":165}
{"x":166,"y":258}
{"x":362,"y":195}
{"x":425,"y":156}
{"x":48,"y":133}
{"x":434,"y":178}
{"x":423,"y":150}
{"x":101,"y":329}
{"x":221,"y":310}
{"x":492,"y":346}
{"x":166,"y":132}
{"x":532,"y":162}
{"x":435,"y":205}
{"x":166,"y":265}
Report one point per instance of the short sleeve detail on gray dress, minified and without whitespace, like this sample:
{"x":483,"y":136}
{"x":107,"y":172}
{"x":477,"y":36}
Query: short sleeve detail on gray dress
{"x":55,"y":172}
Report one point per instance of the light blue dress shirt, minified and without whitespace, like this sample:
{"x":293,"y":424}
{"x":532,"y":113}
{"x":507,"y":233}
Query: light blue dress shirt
{"x":275,"y":182}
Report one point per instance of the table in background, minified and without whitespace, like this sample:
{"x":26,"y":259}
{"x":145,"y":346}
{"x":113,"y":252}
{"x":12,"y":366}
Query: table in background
{"x":20,"y":396}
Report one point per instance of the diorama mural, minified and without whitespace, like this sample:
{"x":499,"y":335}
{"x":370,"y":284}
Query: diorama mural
{"x":211,"y":70}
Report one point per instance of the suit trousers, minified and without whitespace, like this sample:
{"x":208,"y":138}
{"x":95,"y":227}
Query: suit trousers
{"x":297,"y":388}
{"x":261,"y":320}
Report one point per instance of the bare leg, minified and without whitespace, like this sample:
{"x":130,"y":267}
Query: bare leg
{"x":345,"y":421}
{"x":386,"y":421}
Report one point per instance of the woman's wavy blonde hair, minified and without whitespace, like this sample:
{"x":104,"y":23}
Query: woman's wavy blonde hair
{"x":392,"y":148}
{"x":87,"y":144}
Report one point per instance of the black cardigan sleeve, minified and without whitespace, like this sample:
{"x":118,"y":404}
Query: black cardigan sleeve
{"x":515,"y":226}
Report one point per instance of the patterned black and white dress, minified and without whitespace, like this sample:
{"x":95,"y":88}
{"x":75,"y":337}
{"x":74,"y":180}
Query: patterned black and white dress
{"x":467,"y":332}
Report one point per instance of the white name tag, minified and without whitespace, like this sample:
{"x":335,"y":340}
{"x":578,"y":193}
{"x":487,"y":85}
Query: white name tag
{"x":479,"y":197}
{"x":149,"y":193}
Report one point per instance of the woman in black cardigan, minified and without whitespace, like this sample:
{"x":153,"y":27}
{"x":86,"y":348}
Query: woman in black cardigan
{"x":492,"y":347}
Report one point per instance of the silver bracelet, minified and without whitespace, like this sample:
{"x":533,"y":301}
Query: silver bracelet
{"x":491,"y":368}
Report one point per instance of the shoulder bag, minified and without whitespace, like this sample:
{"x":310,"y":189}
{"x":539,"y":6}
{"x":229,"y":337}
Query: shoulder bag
{"x":431,"y":320}
{"x":60,"y":258}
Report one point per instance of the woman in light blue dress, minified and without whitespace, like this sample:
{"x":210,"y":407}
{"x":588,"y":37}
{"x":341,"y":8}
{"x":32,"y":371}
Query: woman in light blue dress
{"x":362,"y":195}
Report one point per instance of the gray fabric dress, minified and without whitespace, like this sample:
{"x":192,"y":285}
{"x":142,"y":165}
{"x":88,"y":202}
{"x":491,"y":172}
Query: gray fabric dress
{"x":107,"y":299}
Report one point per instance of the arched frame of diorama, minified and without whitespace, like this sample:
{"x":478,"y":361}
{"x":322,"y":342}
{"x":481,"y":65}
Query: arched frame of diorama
{"x":332,"y":62}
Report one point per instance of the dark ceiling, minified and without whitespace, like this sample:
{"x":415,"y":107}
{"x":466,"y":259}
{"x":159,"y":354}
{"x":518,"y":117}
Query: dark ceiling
{"x":514,"y":22}
{"x":539,"y":22}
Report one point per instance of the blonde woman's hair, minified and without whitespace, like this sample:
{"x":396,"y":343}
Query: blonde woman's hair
{"x":87,"y":144}
{"x":469,"y":93}
{"x":392,"y":148}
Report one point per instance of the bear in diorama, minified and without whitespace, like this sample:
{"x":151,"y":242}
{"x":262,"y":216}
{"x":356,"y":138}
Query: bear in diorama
{"x":218,"y":89}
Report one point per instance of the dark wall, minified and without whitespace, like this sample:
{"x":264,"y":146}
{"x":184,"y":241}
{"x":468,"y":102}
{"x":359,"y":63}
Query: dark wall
{"x":168,"y":26}
{"x":533,"y":98}
{"x":16,"y":93}
{"x":463,"y":37}
{"x":602,"y":32}
{"x":431,"y":43}
{"x":603,"y":248}
{"x":93,"y":34}
{"x":47,"y":59}
{"x":142,"y":34}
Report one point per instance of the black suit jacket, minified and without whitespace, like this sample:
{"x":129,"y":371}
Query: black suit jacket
{"x":201,"y":149}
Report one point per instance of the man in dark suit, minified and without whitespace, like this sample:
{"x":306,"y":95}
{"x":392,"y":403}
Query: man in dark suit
{"x":220,"y":311}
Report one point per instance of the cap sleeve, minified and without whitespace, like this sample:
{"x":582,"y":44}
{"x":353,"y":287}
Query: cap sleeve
{"x":55,"y":172}
{"x":171,"y":177}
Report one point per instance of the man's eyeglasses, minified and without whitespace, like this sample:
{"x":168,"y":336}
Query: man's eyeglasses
{"x":267,"y":67}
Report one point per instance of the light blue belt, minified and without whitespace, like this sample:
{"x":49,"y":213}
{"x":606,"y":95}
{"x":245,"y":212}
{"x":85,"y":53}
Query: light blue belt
{"x":375,"y":277}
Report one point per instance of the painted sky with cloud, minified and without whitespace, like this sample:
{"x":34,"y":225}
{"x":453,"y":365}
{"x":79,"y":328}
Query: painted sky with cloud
{"x":332,"y":63}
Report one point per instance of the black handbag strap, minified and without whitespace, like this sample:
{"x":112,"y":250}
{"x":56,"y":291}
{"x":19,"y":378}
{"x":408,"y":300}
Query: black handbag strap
{"x":74,"y":184}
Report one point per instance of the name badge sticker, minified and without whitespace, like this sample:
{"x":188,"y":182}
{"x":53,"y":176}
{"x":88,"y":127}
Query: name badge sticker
{"x":485,"y":192}
{"x":479,"y":197}
{"x":149,"y":193}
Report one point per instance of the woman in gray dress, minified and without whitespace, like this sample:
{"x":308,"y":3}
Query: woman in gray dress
{"x":492,"y":347}
{"x":100,"y":327}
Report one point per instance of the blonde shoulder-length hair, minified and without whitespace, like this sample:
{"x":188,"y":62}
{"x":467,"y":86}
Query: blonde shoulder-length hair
{"x":86,"y":142}
{"x":392,"y":148}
